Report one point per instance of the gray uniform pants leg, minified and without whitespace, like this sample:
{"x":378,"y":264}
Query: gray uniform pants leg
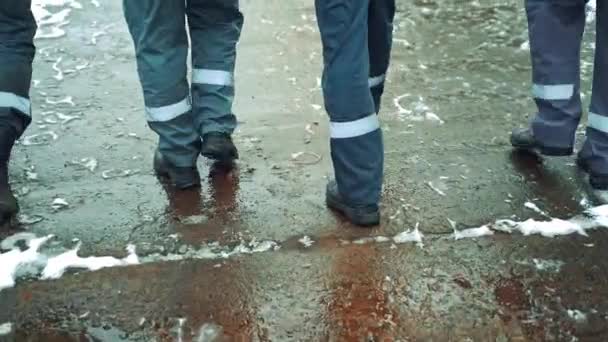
{"x":556,"y":29}
{"x":215,"y":29}
{"x":595,"y":150}
{"x":17,"y":30}
{"x":158,"y":29}
{"x":356,"y":138}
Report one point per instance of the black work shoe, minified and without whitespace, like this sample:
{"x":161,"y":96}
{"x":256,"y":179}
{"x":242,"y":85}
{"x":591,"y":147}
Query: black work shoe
{"x":219,"y":146}
{"x":523,"y":139}
{"x":364,"y":216}
{"x":9,"y":208}
{"x":181,"y":177}
{"x":598,"y":182}
{"x":8,"y":203}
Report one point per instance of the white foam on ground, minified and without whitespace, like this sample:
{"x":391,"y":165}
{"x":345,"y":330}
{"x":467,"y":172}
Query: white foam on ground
{"x":472,"y":233}
{"x":13,"y":260}
{"x":6,"y":328}
{"x":52,"y":15}
{"x":591,"y":219}
{"x":420,"y":112}
{"x":409,"y":236}
{"x":534,"y":208}
{"x":306,"y":241}
{"x":548,"y":265}
{"x":54,"y":267}
{"x":57,"y":265}
{"x":577,"y":315}
{"x":591,"y":11}
{"x":554,"y":227}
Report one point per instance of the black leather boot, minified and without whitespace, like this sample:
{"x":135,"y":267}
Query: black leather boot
{"x":8,"y":203}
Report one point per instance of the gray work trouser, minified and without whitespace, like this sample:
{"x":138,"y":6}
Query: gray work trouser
{"x":181,"y":115}
{"x":357,"y":41}
{"x":17,"y":30}
{"x":556,"y":31}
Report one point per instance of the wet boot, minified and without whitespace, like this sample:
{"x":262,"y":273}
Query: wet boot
{"x":364,"y":216}
{"x":219,"y":146}
{"x":599,"y":183}
{"x":523,"y":139}
{"x":181,"y":177}
{"x":8,"y":203}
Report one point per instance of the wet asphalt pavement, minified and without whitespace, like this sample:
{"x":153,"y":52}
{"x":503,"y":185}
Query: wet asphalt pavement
{"x":459,"y":82}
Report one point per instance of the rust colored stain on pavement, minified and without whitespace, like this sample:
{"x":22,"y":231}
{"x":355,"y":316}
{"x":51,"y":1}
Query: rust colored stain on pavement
{"x":358,"y":307}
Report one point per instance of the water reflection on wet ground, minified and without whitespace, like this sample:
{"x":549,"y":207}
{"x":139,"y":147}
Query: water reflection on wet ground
{"x":459,"y":82}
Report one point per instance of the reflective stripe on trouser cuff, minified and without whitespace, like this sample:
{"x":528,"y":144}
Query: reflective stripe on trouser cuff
{"x":213,"y":77}
{"x":11,"y":100}
{"x":553,"y":92}
{"x":376,"y":81}
{"x":598,"y":122}
{"x":353,"y":129}
{"x":167,"y":113}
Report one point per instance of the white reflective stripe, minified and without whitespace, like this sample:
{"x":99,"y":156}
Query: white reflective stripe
{"x":553,"y":92}
{"x":376,"y":81}
{"x":166,"y":113}
{"x":214,"y":77}
{"x":11,"y":100}
{"x":352,"y":129}
{"x":598,"y":122}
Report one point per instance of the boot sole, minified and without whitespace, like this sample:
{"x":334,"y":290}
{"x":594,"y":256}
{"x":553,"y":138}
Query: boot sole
{"x":8,"y":217}
{"x":596,"y":184}
{"x":544,"y":150}
{"x":363,"y":220}
{"x":223,"y":157}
